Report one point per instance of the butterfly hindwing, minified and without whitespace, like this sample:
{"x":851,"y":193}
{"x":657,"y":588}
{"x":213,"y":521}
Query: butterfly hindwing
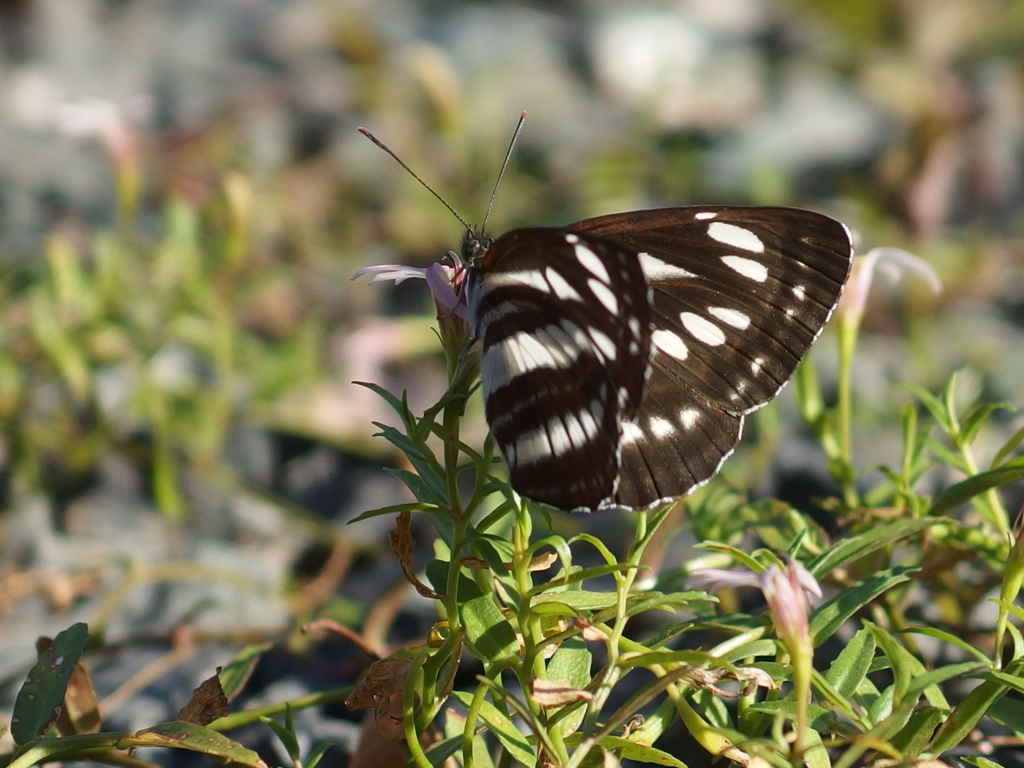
{"x":564,"y":323}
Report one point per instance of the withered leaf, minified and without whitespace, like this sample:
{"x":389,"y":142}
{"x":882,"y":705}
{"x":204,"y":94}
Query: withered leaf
{"x":403,"y":545}
{"x":385,"y":677}
{"x":550,"y":693}
{"x":208,"y":703}
{"x":589,"y":632}
{"x":81,"y":713}
{"x":537,"y":563}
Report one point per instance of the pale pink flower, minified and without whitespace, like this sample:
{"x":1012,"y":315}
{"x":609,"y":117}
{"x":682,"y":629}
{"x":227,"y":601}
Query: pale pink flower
{"x":886,"y":260}
{"x":444,"y":283}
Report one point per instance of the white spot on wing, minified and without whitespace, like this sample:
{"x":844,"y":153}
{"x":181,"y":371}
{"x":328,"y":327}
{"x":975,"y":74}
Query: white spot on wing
{"x":572,"y":239}
{"x":755,"y":365}
{"x":749,"y":268}
{"x":604,"y":345}
{"x":558,"y":345}
{"x":670,"y":343}
{"x":631,"y":433}
{"x":737,"y":237}
{"x":560,"y":286}
{"x":688,"y":417}
{"x":576,"y":434}
{"x":533,"y":446}
{"x":702,"y":329}
{"x":704,"y":215}
{"x":592,"y":263}
{"x":532,"y":278}
{"x":604,"y":295}
{"x":661,"y":427}
{"x":524,"y":352}
{"x":576,"y":335}
{"x":656,"y":269}
{"x":800,"y":292}
{"x":561,"y":444}
{"x":732,"y":317}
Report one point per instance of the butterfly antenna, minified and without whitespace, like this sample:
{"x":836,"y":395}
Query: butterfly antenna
{"x":504,"y":165}
{"x":412,"y":173}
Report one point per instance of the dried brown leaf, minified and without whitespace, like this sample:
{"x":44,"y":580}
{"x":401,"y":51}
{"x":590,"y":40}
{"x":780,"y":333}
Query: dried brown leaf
{"x":550,"y":693}
{"x":385,"y":677}
{"x":208,"y":703}
{"x":403,"y":545}
{"x":589,"y":632}
{"x":81,"y":713}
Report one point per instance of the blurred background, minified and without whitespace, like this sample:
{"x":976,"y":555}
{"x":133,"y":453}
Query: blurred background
{"x":184,"y":197}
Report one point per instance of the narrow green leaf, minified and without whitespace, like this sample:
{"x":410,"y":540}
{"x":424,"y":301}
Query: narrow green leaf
{"x":967,"y":489}
{"x":639,"y":753}
{"x":829,"y":616}
{"x":440,"y":751}
{"x":317,"y":754}
{"x":41,"y":697}
{"x":581,"y":575}
{"x":948,"y":637}
{"x":842,"y":704}
{"x":425,"y":492}
{"x":922,"y":681}
{"x":658,"y":601}
{"x":902,"y":664}
{"x":915,"y":735}
{"x":820,"y":718}
{"x":663,"y":658}
{"x":285,"y":736}
{"x":503,"y":729}
{"x":881,"y":708}
{"x":752,"y":649}
{"x":398,"y":405}
{"x":863,"y":544}
{"x":394,"y":509}
{"x":236,"y":672}
{"x":735,"y":553}
{"x":932,"y":403}
{"x":576,"y":599}
{"x":852,"y":664}
{"x":1007,"y":448}
{"x":1010,"y":681}
{"x":966,"y":715}
{"x":1009,"y":712}
{"x":977,"y":418}
{"x":981,"y":762}
{"x":398,"y":439}
{"x":195,"y":738}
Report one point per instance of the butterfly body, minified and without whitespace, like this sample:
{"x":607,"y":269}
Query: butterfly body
{"x":621,"y":353}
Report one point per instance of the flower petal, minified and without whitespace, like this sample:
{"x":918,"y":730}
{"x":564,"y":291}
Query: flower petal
{"x":439,"y":279}
{"x":397,"y":272}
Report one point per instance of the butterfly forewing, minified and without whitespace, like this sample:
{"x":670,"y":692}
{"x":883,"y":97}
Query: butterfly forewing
{"x":564,"y":323}
{"x":739,"y":295}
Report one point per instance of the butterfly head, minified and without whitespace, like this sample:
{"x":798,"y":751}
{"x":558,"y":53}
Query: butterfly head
{"x":475,"y":246}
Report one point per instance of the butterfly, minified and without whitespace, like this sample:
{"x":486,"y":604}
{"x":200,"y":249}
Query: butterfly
{"x":621,"y":354}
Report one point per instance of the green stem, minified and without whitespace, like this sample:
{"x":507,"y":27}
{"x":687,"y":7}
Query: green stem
{"x":848,"y":328}
{"x":45,"y":750}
